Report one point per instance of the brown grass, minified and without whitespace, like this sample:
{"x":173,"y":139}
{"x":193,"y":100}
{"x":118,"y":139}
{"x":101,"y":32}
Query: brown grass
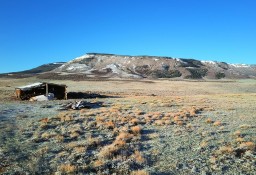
{"x":67,"y":168}
{"x":82,"y":111}
{"x":159,"y":122}
{"x":177,"y":118}
{"x":139,"y":157}
{"x":139,"y":113}
{"x":93,"y":141}
{"x":110,"y":124}
{"x":100,"y":119}
{"x":125,"y":144}
{"x":74,"y":135}
{"x":239,"y":139}
{"x":140,"y":172}
{"x":134,"y":121}
{"x":237,"y":133}
{"x":44,"y":120}
{"x":167,"y":122}
{"x":192,"y":112}
{"x":245,"y":126}
{"x":119,"y":143}
{"x":108,"y":151}
{"x":153,"y":135}
{"x":225,"y":150}
{"x":45,"y":135}
{"x":221,"y":128}
{"x":2,"y":169}
{"x":203,"y":144}
{"x":66,"y":116}
{"x":124,"y":136}
{"x":247,"y":146}
{"x":217,"y":123}
{"x":80,"y":149}
{"x":59,"y":138}
{"x":209,"y":120}
{"x":71,"y":145}
{"x":136,"y":130}
{"x":213,"y":160}
{"x":124,"y":129}
{"x":180,"y":123}
{"x":98,"y":163}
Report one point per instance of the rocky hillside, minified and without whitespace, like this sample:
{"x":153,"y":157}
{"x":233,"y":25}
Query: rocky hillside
{"x":121,"y":66}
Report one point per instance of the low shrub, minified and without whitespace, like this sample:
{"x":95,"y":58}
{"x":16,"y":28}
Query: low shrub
{"x":196,"y":73}
{"x":219,"y":75}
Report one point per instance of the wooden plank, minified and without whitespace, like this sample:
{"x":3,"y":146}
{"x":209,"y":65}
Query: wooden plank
{"x":66,"y":94}
{"x":47,"y":90}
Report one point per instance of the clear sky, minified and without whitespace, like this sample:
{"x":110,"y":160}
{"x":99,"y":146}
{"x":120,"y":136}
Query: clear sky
{"x":34,"y":32}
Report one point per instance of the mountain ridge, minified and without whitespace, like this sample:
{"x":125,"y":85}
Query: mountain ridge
{"x":127,"y":66}
{"x":105,"y":65}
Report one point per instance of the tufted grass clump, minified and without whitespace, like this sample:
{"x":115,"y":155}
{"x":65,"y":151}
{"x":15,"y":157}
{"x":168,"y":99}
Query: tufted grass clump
{"x":217,"y":123}
{"x":140,"y":172}
{"x":136,"y":130}
{"x":67,"y":168}
{"x":247,"y":146}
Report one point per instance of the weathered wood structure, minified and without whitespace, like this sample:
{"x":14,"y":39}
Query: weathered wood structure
{"x":41,"y":88}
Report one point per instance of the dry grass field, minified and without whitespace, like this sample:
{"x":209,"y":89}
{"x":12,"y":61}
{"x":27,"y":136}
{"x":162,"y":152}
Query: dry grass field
{"x":140,"y":128}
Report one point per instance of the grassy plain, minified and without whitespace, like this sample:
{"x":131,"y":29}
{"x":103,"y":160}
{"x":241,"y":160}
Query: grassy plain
{"x":143,"y":127}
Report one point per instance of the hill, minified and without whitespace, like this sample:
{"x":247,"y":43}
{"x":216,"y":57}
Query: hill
{"x":95,"y":65}
{"x":33,"y":72}
{"x":105,"y":66}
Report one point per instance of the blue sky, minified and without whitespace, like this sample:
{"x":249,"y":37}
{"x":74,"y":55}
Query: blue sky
{"x":34,"y":32}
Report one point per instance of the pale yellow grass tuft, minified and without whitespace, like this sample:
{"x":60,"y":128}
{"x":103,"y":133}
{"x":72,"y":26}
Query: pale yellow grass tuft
{"x":239,"y":139}
{"x":203,"y":144}
{"x":159,"y":122}
{"x":217,"y":123}
{"x":237,"y":133}
{"x":98,"y":163}
{"x":67,"y":168}
{"x":74,"y":135}
{"x":247,"y":145}
{"x":79,"y":149}
{"x":107,"y":151}
{"x":245,"y":126}
{"x":208,"y":120}
{"x":66,"y":116}
{"x":225,"y":150}
{"x":124,"y":136}
{"x":140,"y":172}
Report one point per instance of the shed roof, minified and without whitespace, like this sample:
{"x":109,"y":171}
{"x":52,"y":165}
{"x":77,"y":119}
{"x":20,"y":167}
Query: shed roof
{"x":38,"y":84}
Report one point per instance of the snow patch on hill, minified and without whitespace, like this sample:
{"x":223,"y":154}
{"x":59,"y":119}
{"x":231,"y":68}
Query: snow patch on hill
{"x":208,"y":62}
{"x":240,"y":65}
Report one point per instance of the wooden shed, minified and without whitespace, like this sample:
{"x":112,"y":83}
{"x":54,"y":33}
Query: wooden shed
{"x":41,"y":88}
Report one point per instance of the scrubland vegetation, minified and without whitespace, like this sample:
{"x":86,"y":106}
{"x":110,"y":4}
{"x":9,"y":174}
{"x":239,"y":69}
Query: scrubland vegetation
{"x":133,"y":133}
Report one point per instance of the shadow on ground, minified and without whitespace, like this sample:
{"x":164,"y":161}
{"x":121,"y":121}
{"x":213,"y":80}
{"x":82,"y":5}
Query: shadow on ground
{"x":82,"y":95}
